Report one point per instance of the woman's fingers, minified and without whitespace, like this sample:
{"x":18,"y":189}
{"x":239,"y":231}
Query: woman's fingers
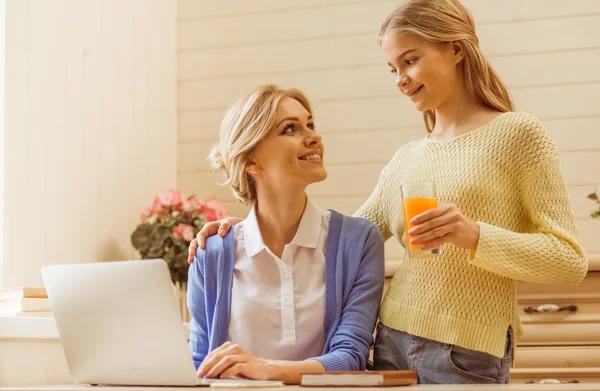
{"x":234,"y":370}
{"x":224,"y":364}
{"x":213,"y":358}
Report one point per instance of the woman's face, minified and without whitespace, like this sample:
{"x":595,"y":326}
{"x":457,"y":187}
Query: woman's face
{"x":426,"y":72}
{"x":291,"y":154}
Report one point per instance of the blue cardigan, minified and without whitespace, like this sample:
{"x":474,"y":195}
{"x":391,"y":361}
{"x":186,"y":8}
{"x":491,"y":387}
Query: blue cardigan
{"x":354,"y":275}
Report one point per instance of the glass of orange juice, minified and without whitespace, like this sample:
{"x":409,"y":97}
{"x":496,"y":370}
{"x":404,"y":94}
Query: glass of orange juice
{"x":418,"y":197}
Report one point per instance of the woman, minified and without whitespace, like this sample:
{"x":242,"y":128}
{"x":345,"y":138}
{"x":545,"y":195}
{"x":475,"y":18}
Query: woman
{"x":293,"y":288}
{"x":505,"y":214}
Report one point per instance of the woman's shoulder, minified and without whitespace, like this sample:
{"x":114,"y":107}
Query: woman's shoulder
{"x":361,"y":243}
{"x":356,"y":227}
{"x":215,"y":245}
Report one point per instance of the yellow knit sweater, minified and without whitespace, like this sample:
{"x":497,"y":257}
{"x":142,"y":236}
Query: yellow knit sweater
{"x":505,"y":176}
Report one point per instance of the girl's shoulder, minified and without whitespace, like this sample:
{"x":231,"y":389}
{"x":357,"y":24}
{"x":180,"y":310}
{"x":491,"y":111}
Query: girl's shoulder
{"x":514,"y":130}
{"x":526,"y":138}
{"x":525,"y":127}
{"x":520,"y":120}
{"x":353,"y":227}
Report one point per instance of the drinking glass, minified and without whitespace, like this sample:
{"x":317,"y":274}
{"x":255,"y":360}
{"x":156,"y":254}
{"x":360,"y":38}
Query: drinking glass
{"x":418,"y":197}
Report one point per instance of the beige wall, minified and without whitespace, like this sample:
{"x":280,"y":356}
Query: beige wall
{"x":2,"y":109}
{"x":90,"y":128}
{"x":548,"y":52}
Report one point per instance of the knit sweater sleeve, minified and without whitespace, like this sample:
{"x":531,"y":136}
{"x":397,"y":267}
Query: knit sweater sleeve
{"x":374,"y":209}
{"x":550,"y":252}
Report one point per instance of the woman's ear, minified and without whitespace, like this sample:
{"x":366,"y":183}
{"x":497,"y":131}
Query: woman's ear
{"x":252,"y":167}
{"x":458,"y":51}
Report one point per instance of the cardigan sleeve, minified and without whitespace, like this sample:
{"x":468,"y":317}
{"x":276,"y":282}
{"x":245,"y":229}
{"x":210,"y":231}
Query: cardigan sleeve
{"x":199,"y":341}
{"x":351,"y":342}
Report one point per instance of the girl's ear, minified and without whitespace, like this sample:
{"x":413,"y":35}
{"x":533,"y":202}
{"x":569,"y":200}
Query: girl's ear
{"x":458,"y":51}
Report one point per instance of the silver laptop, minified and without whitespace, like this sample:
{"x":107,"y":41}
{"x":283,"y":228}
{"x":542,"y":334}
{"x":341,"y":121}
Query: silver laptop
{"x":119,"y":324}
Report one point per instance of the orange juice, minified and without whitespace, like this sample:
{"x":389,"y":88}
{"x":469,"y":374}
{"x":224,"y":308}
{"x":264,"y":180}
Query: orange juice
{"x":413,"y":207}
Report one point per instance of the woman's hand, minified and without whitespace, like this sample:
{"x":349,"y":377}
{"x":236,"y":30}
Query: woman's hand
{"x":230,"y":360}
{"x":444,"y":224}
{"x":221,"y":227}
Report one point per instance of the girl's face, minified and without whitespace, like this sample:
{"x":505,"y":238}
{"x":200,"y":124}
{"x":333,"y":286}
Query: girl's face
{"x":291,"y":154}
{"x":426,"y":72}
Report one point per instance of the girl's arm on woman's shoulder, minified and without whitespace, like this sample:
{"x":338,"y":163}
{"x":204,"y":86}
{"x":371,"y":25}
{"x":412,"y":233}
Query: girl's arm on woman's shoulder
{"x":552,"y":251}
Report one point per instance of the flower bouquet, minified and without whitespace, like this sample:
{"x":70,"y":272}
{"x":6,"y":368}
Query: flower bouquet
{"x":168,"y":226}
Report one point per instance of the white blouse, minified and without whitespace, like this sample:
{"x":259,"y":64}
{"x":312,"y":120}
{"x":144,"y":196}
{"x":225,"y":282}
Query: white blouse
{"x":278,"y":305}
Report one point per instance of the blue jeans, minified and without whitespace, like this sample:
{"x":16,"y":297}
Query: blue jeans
{"x":437,"y":362}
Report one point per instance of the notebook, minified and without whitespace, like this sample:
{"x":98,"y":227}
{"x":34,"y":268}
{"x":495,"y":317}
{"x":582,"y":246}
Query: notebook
{"x":359,"y":379}
{"x":24,"y":305}
{"x":22,"y":292}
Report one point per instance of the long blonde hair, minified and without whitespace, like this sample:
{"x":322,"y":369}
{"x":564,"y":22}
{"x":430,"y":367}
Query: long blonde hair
{"x":447,"y":21}
{"x":245,"y":124}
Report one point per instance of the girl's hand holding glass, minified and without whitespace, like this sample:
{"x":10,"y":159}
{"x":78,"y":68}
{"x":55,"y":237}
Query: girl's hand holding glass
{"x":441,"y":225}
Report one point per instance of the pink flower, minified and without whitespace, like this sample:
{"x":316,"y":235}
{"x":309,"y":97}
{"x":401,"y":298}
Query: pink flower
{"x":146,"y":213}
{"x":198,"y":205}
{"x":177,"y":232}
{"x":188,"y":233}
{"x":209,"y":214}
{"x":186,"y":206}
{"x":175,"y":197}
{"x":219,"y":209}
{"x":170,"y":198}
{"x":183,"y":231}
{"x":157,"y":207}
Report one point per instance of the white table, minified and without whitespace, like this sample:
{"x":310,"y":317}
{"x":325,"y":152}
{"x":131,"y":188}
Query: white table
{"x":454,"y":387}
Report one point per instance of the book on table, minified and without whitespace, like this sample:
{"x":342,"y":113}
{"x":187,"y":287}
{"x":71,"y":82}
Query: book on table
{"x":30,"y":315}
{"x":32,"y":305}
{"x":359,"y":379}
{"x":23,"y":292}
